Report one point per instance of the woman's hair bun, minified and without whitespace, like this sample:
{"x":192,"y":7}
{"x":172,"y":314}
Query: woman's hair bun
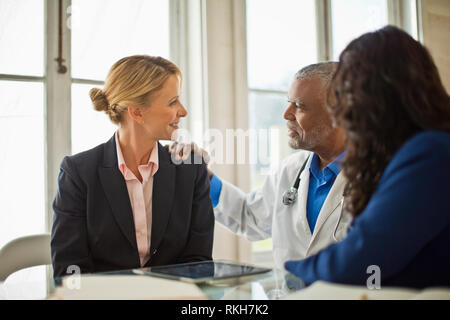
{"x":99,"y":100}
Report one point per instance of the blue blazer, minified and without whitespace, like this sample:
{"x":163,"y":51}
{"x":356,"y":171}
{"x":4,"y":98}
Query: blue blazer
{"x":93,"y":225}
{"x":405,"y":228}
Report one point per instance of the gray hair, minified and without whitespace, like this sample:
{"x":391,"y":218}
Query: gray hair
{"x":323,"y":70}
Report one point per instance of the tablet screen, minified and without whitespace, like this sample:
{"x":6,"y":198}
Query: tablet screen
{"x":208,"y":270}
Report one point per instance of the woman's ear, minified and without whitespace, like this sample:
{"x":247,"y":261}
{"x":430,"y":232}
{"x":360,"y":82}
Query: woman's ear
{"x":135,"y":113}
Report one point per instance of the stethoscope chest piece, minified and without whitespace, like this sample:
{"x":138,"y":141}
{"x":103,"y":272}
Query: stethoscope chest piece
{"x":290,"y":196}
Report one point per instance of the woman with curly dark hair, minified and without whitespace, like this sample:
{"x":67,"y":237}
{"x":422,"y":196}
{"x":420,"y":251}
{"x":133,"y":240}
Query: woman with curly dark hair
{"x":388,"y":96}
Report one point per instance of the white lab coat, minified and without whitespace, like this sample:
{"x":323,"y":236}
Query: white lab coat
{"x":261,"y":214}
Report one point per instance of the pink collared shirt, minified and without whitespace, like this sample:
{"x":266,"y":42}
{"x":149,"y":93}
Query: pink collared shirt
{"x":141,"y":198}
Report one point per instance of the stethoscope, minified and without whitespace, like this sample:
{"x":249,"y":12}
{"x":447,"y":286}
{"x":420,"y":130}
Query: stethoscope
{"x":290,"y":196}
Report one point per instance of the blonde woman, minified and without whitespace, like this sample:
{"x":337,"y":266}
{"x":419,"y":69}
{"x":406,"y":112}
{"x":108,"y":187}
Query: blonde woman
{"x":124,"y":204}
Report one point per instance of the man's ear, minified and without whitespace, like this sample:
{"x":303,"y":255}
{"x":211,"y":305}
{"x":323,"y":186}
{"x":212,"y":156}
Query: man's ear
{"x":135,"y":113}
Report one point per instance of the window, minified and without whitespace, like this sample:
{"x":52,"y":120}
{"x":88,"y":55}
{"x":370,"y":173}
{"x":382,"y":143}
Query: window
{"x":103,"y":31}
{"x":17,"y":59}
{"x":352,"y":18}
{"x":275,"y":51}
{"x":22,"y":165}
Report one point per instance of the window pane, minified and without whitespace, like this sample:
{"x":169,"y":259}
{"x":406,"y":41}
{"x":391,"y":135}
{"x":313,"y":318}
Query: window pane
{"x":22,"y":37}
{"x":270,"y":145}
{"x":89,"y":127}
{"x":281,"y":38}
{"x":103,"y":31}
{"x":22,"y":209}
{"x":352,"y":18}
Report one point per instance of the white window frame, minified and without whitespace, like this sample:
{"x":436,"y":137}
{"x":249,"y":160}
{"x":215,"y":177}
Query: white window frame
{"x":399,"y":14}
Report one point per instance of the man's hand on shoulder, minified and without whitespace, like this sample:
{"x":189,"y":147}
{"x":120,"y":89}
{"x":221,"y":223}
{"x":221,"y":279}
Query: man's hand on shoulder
{"x":183,"y":151}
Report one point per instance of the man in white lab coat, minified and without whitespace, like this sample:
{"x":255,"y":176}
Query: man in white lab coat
{"x":309,"y":220}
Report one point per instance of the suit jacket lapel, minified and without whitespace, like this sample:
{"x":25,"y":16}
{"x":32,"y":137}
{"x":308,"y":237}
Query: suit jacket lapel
{"x":116,"y":192}
{"x":162,"y":199}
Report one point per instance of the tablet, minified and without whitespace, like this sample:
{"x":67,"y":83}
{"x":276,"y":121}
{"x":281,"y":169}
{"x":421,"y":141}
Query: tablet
{"x":203,"y":271}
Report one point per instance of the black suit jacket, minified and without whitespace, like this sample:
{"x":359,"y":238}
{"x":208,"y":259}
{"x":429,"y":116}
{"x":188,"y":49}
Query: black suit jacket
{"x":93,"y":225}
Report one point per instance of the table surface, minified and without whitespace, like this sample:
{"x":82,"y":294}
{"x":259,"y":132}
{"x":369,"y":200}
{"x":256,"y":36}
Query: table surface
{"x":272,"y":285}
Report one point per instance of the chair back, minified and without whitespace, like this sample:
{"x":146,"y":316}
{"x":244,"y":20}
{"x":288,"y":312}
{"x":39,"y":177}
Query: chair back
{"x":24,"y":252}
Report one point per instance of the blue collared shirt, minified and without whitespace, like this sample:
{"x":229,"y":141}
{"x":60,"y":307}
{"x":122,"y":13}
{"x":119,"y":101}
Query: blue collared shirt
{"x":320,"y":183}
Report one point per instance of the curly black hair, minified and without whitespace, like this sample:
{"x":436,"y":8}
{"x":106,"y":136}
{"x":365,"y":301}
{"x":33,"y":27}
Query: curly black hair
{"x":386,"y":89}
